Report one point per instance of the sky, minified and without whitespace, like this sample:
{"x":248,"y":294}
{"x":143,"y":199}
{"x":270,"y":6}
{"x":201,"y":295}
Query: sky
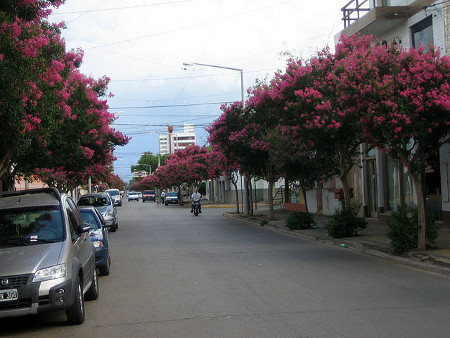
{"x":141,"y":45}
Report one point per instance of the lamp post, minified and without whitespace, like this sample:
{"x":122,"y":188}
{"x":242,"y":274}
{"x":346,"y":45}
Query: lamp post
{"x":246,"y":192}
{"x":223,"y":67}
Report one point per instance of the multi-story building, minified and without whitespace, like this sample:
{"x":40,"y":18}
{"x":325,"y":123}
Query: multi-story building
{"x":383,"y":183}
{"x":171,"y":142}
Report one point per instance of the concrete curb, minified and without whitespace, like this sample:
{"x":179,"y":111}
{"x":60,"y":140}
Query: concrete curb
{"x":411,"y":261}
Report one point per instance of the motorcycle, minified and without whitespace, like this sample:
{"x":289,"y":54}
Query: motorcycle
{"x":196,"y":208}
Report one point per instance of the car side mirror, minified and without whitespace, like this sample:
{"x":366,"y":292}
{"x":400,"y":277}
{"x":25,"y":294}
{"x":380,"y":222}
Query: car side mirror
{"x":84,"y":227}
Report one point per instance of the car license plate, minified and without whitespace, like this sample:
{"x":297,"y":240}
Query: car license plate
{"x":10,"y":294}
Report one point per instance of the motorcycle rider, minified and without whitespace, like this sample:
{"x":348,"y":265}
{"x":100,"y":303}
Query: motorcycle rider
{"x":196,"y":197}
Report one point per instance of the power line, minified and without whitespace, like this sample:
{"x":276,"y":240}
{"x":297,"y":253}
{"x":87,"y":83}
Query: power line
{"x":119,"y":8}
{"x":173,"y":105}
{"x":193,"y":25}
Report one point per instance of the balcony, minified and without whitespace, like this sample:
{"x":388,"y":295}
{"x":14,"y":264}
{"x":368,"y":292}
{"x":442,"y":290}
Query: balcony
{"x":376,"y":17}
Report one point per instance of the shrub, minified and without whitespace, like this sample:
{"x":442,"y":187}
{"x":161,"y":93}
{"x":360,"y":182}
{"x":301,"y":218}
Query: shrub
{"x":299,"y":220}
{"x":264,"y":222}
{"x":403,"y":230}
{"x":345,"y":222}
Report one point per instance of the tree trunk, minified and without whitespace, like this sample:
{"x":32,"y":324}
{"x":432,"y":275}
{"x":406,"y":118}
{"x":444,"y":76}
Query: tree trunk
{"x":304,"y":198}
{"x":250,"y":194}
{"x":287,"y":191}
{"x":270,"y":197}
{"x":5,"y":171}
{"x":237,"y":195}
{"x":346,"y":188}
{"x":421,"y":240}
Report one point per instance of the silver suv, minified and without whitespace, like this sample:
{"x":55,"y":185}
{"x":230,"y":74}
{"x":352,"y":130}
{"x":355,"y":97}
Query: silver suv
{"x":47,"y":260}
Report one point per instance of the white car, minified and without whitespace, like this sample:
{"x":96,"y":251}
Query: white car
{"x":115,"y":196}
{"x":133,"y":196}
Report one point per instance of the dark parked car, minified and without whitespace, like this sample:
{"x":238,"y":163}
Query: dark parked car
{"x":103,"y":202}
{"x":99,"y":237}
{"x":171,"y":198}
{"x":149,"y":195}
{"x":47,"y":261}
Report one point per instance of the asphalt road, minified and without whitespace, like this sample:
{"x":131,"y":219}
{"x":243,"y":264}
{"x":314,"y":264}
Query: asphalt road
{"x":176,"y":275}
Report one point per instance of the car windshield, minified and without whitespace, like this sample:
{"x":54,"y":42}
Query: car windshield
{"x":91,"y":218}
{"x":30,"y":226}
{"x":133,"y":193}
{"x":172,"y":194}
{"x":95,"y":201}
{"x":113,"y":192}
{"x":149,"y":192}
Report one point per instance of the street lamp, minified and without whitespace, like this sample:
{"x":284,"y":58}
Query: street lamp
{"x":246,"y":194}
{"x":223,"y":67}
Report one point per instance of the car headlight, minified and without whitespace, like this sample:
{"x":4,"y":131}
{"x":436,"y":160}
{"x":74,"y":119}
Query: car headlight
{"x":110,"y":213}
{"x":52,"y":272}
{"x":98,"y":244}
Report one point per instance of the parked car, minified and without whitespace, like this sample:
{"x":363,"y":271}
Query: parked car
{"x":105,"y":205}
{"x":149,"y":195}
{"x":99,"y":237}
{"x":47,"y":261}
{"x":133,"y":196}
{"x":115,"y":196}
{"x":171,"y":198}
{"x":140,"y":194}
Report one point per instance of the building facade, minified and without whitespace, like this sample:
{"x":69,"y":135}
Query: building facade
{"x":171,"y":142}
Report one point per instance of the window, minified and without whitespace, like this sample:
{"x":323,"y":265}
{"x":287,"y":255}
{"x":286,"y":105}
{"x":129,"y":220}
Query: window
{"x":422,"y":33}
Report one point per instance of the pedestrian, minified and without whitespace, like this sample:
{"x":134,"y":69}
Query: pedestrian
{"x":163,"y":194}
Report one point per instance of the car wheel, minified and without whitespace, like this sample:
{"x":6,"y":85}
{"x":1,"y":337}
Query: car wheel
{"x":75,"y":313}
{"x":92,"y":293}
{"x":106,"y":269}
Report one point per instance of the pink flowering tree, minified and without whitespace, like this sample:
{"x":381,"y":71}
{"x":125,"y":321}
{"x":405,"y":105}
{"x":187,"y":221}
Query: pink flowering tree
{"x":323,"y":105}
{"x":148,"y":182}
{"x":237,"y":136}
{"x":28,"y":45}
{"x":410,"y":113}
{"x":57,"y":118}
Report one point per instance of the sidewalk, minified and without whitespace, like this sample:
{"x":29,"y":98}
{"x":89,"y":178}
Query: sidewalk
{"x":372,"y":240}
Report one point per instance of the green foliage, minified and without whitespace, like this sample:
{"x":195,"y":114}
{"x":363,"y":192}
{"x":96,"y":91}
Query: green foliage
{"x":300,"y":220}
{"x":345,"y":222}
{"x":403,"y":230}
{"x":202,"y":188}
{"x":264,"y":222}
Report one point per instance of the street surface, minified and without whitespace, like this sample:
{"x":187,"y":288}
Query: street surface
{"x":176,"y":275}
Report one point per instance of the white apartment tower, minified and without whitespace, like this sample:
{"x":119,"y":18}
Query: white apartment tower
{"x":171,"y":142}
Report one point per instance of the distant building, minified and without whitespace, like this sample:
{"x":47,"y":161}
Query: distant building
{"x":170,"y":141}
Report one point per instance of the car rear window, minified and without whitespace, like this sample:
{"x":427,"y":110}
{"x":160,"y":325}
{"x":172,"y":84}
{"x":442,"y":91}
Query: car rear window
{"x":113,"y":192}
{"x":95,"y":201}
{"x":90,"y":218}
